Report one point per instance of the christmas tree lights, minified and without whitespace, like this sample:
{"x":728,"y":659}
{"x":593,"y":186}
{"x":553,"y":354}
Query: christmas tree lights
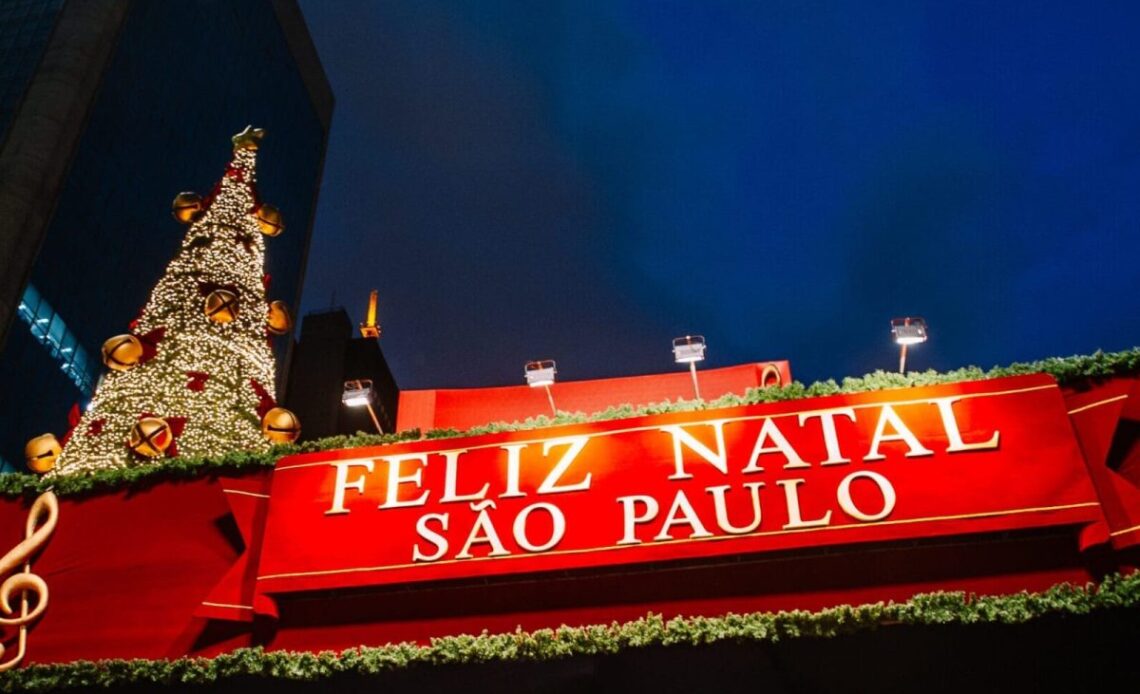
{"x":209,"y":379}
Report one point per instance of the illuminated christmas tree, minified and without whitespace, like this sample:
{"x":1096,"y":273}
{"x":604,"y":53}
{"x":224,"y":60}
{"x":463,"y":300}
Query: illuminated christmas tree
{"x":195,"y":376}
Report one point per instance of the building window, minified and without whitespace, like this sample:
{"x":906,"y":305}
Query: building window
{"x":50,"y":331}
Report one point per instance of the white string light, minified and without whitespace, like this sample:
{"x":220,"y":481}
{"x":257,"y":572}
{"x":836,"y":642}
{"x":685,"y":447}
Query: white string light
{"x":224,"y":248}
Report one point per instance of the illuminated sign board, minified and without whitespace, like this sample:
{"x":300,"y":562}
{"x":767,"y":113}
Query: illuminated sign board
{"x":869,"y":467}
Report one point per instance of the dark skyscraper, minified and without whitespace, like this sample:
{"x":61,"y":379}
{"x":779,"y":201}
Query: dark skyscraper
{"x":107,"y":110}
{"x":328,"y":355}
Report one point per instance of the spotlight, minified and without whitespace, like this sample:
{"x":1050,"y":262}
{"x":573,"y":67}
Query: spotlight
{"x":907,"y":331}
{"x":540,"y":374}
{"x":690,"y":349}
{"x":359,"y":393}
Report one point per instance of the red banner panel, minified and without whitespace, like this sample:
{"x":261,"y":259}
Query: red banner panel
{"x":946,"y":460}
{"x":463,"y":408}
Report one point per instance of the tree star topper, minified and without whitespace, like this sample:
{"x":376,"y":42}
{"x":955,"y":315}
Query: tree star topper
{"x":249,"y":138}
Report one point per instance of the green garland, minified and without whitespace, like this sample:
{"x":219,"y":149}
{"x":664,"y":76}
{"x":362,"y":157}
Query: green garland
{"x":930,"y":609}
{"x":172,"y":469}
{"x":1067,"y":370}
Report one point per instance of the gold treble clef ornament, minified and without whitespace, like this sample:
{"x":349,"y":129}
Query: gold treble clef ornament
{"x":41,"y":523}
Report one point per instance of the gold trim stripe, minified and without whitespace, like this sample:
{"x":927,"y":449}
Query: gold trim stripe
{"x":1098,"y":403}
{"x":910,"y":521}
{"x":238,"y":491}
{"x":222,"y":604}
{"x":615,"y":432}
{"x":1125,"y":531}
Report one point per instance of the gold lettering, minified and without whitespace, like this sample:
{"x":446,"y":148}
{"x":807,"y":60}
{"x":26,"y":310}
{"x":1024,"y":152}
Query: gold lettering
{"x":889,"y":417}
{"x":395,"y":479}
{"x":574,"y":446}
{"x":717,"y":458}
{"x":342,"y":484}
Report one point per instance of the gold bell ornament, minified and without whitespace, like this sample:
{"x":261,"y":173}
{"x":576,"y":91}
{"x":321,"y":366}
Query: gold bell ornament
{"x":279,"y":321}
{"x":42,"y":452}
{"x":121,"y":352}
{"x":280,"y":425}
{"x":269,"y":220}
{"x":187,"y":207}
{"x":221,"y":306}
{"x":150,"y":437}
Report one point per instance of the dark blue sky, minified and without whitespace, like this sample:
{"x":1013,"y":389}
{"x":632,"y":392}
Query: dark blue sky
{"x":583,"y":181}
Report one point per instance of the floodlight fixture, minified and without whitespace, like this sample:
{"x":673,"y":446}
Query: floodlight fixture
{"x":907,"y":331}
{"x":540,"y":374}
{"x":359,"y":393}
{"x":690,"y":349}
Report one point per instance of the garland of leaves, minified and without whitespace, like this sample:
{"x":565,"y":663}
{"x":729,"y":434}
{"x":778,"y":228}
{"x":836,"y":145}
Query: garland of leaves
{"x":1067,"y":371}
{"x":930,"y":609}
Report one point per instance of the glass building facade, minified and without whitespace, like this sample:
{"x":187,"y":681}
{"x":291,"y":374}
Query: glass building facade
{"x":48,"y":328}
{"x":182,"y":78}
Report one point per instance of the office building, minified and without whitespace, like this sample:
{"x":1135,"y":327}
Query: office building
{"x":327,"y":356}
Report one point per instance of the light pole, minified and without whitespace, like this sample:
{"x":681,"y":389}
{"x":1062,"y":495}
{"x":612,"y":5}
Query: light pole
{"x":359,"y":393}
{"x":907,"y":331}
{"x":690,"y":349}
{"x":541,"y":374}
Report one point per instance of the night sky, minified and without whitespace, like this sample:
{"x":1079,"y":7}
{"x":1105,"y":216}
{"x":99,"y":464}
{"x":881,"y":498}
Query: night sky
{"x":584,"y":181}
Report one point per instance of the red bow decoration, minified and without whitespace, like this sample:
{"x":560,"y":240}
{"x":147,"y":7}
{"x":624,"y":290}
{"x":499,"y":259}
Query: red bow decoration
{"x":197,"y":382}
{"x":150,"y":343}
{"x":265,"y":400}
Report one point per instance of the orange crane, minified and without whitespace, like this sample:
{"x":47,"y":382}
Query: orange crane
{"x":370,"y":328}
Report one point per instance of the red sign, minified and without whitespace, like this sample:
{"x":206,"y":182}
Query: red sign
{"x":963,"y":458}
